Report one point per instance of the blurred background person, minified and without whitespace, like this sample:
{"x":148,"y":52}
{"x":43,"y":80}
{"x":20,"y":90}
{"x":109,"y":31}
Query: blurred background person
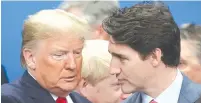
{"x":98,"y":85}
{"x":191,"y":51}
{"x":52,"y":42}
{"x":4,"y":78}
{"x":94,"y":11}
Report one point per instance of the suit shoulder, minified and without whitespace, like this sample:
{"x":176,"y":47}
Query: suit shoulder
{"x":194,"y":87}
{"x":190,"y":91}
{"x":8,"y":99}
{"x":76,"y":96}
{"x":13,"y":89}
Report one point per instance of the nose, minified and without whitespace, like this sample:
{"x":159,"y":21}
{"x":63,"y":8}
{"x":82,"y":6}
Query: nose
{"x":70,"y":62}
{"x":114,"y":67}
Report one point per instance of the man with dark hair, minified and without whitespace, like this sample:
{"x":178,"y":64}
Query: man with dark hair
{"x":145,"y":45}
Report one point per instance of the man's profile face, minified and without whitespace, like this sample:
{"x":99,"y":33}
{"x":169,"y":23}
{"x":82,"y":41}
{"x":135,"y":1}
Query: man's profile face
{"x":58,"y":62}
{"x":189,"y":62}
{"x":131,"y":71}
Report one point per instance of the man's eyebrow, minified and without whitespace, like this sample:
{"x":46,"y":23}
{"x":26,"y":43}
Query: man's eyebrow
{"x":78,"y":48}
{"x":115,"y":54}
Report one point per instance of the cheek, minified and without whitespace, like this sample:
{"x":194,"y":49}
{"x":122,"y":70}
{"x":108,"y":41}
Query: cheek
{"x":49,"y":69}
{"x":128,"y":69}
{"x":134,"y":70}
{"x":79,"y":66}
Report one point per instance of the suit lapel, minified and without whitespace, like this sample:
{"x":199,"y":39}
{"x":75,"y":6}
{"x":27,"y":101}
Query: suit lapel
{"x":134,"y":98}
{"x":35,"y":91}
{"x":139,"y":98}
{"x":73,"y":97}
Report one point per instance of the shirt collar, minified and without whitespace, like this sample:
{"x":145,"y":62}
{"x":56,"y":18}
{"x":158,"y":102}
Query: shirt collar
{"x":68,"y":98}
{"x":171,"y":94}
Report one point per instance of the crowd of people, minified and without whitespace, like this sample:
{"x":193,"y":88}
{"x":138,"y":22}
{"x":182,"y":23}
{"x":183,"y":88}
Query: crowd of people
{"x":97,"y":52}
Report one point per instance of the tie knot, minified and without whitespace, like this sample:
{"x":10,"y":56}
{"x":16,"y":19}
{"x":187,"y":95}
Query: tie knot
{"x":61,"y":100}
{"x":152,"y":101}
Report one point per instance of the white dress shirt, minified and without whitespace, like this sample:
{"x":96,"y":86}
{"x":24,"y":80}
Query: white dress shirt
{"x":68,"y":98}
{"x":169,"y":95}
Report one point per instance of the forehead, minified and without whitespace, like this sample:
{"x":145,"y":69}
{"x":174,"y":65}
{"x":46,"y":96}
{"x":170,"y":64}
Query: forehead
{"x":118,"y":48}
{"x":62,"y":42}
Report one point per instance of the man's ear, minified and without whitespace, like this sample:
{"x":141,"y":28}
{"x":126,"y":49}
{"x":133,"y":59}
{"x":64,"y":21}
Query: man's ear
{"x":85,"y":87}
{"x":29,"y":58}
{"x":83,"y":83}
{"x":98,"y":31}
{"x":155,"y":57}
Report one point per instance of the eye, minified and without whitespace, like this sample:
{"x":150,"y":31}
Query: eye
{"x":58,"y":56}
{"x":122,"y":59}
{"x":77,"y":53}
{"x":183,"y":63}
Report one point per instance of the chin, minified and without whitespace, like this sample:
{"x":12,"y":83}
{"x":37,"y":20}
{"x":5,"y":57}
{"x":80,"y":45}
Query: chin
{"x":69,"y":86}
{"x":128,"y":89}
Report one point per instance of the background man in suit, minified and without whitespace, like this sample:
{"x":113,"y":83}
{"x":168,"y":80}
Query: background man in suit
{"x":191,"y":51}
{"x":4,"y":78}
{"x":52,"y":42}
{"x":94,"y":11}
{"x":145,"y":45}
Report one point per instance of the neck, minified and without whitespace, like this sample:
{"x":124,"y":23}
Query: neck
{"x":161,"y":80}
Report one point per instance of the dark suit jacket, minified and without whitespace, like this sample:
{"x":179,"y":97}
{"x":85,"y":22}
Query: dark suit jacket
{"x":190,"y":93}
{"x":4,"y":78}
{"x":27,"y":90}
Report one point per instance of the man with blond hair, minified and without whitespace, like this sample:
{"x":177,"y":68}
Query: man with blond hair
{"x":52,"y":42}
{"x":94,"y":11}
{"x":97,"y":84}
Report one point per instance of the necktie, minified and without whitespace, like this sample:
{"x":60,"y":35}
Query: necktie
{"x":152,"y":101}
{"x":61,"y":100}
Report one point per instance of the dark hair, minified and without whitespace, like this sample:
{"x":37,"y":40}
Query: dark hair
{"x":145,"y":27}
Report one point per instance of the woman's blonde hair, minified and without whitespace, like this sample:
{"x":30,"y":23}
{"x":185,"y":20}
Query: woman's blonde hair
{"x":96,"y":61}
{"x":50,"y":23}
